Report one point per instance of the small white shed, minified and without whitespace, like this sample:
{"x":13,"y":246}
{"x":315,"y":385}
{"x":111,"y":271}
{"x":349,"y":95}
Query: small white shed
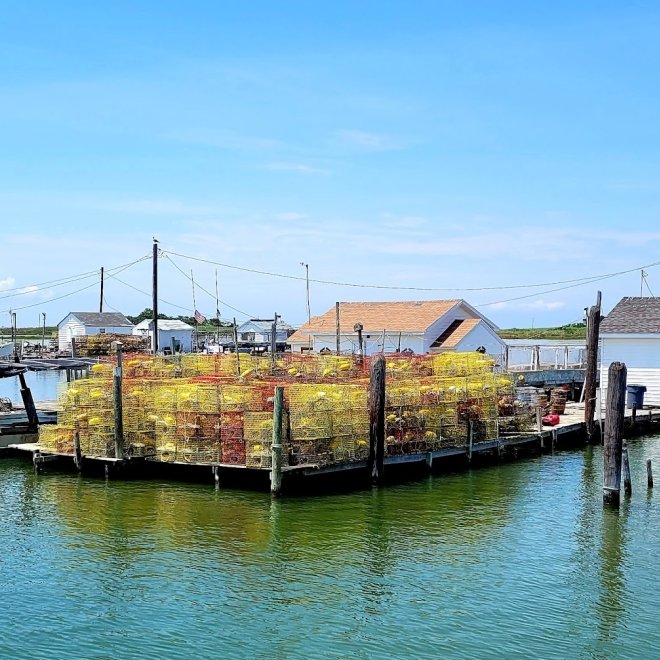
{"x":81,"y":324}
{"x":260,"y":330}
{"x":168,"y":329}
{"x":631,"y":334}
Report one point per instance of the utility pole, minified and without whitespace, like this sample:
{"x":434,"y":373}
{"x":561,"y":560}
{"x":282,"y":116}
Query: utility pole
{"x":101,"y":298}
{"x":154,"y":304}
{"x":43,"y":334}
{"x":309,"y":312}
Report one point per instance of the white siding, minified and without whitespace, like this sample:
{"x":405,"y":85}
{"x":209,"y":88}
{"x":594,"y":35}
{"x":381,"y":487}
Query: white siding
{"x":456,"y":313}
{"x":372,"y":343}
{"x":72,"y":327}
{"x":481,"y":335}
{"x":69,"y":327}
{"x":642,"y":359}
{"x":183,"y":337}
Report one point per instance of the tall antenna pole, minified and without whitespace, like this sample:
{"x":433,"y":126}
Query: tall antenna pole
{"x":309,"y":313}
{"x":192,"y":280}
{"x":101,"y":297}
{"x":154,"y":303}
{"x":217,"y":309}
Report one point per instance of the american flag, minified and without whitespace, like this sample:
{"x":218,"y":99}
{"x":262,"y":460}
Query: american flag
{"x":199,"y":317}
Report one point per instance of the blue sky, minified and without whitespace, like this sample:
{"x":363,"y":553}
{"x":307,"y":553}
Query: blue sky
{"x":404,"y":144}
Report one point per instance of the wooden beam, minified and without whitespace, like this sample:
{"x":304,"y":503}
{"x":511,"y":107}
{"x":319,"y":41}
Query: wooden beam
{"x":377,"y":419}
{"x":613,"y":436}
{"x":593,"y":329}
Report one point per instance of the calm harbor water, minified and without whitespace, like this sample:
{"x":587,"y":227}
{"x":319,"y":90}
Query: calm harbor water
{"x":517,"y":560}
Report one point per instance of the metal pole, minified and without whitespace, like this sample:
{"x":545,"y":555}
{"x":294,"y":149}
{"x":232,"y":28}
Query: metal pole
{"x":101,"y":296}
{"x":154,"y":304}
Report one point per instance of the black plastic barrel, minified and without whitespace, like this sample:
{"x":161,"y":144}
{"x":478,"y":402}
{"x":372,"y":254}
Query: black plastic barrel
{"x":635,"y":396}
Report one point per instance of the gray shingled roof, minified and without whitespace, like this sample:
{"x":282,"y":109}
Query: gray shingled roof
{"x":113,"y":319}
{"x":634,"y":316}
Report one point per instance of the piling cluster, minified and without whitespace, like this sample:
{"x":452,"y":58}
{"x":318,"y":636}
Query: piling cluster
{"x":218,"y":409}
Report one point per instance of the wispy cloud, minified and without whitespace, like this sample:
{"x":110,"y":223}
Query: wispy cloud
{"x":300,"y":168}
{"x":368,"y":141}
{"x":539,"y":304}
{"x":7,"y":283}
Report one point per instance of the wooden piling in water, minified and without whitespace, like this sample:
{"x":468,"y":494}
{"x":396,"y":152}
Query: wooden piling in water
{"x":77,"y":451}
{"x":377,"y":419}
{"x":649,"y":473}
{"x":117,"y":404}
{"x":276,"y":447}
{"x":613,"y":436}
{"x":593,"y":328}
{"x":625,"y":466}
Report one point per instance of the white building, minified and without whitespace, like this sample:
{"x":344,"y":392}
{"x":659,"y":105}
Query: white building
{"x":181,"y":332}
{"x":81,"y":324}
{"x":259,"y":331}
{"x":430,"y":326}
{"x":631,"y":334}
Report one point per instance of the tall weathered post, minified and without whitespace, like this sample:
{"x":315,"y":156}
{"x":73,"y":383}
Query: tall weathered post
{"x":377,"y":419}
{"x":613,"y":440}
{"x":154,"y":295}
{"x":117,"y":402}
{"x":338,"y":328}
{"x":593,"y":329}
{"x":649,"y":473}
{"x":276,"y":447}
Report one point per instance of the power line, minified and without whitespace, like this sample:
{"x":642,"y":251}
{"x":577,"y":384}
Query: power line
{"x":130,"y":286}
{"x":22,"y":290}
{"x":576,"y":281}
{"x":199,"y":286}
{"x":541,"y":293}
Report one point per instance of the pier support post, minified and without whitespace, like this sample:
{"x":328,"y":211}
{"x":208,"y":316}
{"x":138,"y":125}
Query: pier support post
{"x":470,"y":439}
{"x":28,"y":402}
{"x":117,"y":403}
{"x":633,"y":416}
{"x":593,"y":328}
{"x":625,"y":465}
{"x":539,"y":420}
{"x":77,"y":452}
{"x":377,"y":419}
{"x":613,"y":440}
{"x":649,"y":473}
{"x":276,"y":448}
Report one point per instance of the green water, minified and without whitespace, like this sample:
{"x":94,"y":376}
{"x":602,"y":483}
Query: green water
{"x":518,"y":560}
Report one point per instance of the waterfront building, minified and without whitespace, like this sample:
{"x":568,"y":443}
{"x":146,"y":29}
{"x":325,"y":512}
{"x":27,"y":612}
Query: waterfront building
{"x":85,"y":324}
{"x":429,"y":326}
{"x":630,"y":333}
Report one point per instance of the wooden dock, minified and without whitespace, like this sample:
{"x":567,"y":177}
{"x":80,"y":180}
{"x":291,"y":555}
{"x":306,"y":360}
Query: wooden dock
{"x":570,"y":433}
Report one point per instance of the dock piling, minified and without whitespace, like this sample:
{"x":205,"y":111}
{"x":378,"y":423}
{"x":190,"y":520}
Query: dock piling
{"x":539,"y":420}
{"x":276,"y":447}
{"x":593,"y":328}
{"x":649,"y":473}
{"x":377,"y":419}
{"x":625,"y":465}
{"x":117,"y":404}
{"x":77,"y":451}
{"x":613,"y":436}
